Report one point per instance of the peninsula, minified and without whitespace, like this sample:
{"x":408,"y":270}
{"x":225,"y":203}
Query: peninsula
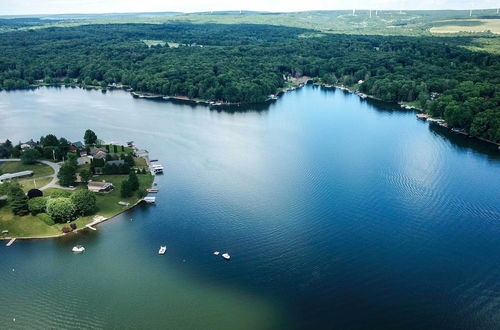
{"x":53,"y":187}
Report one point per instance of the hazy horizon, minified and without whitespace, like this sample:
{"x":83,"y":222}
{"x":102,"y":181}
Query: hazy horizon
{"x":57,"y":7}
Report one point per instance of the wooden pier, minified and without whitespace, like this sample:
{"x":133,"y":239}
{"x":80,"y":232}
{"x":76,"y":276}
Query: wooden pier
{"x":11,"y":242}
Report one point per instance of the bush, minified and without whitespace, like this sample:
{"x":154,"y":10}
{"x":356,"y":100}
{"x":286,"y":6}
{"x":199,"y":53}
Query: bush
{"x":30,"y":156}
{"x":61,"y":209}
{"x":45,"y":218}
{"x":65,"y":229}
{"x":73,"y":226}
{"x":60,"y":193}
{"x":84,"y":201}
{"x":37,"y":205}
{"x":18,"y":200}
{"x":32,"y":193}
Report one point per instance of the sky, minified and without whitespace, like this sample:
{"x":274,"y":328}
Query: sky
{"x":26,"y":7}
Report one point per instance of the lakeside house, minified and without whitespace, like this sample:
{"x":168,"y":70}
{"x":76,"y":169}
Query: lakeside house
{"x":141,"y":153}
{"x":9,"y":176}
{"x":100,"y":186}
{"x":98,"y":153}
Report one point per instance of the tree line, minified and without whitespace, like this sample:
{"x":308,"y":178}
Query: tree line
{"x":246,"y":63}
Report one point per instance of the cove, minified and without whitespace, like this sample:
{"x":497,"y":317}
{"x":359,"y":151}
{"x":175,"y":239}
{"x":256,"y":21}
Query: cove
{"x":337,"y":212}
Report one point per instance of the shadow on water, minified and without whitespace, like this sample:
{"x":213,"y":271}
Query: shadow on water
{"x":230,"y":109}
{"x":463,"y":142}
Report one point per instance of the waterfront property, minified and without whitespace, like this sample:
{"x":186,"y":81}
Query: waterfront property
{"x":100,"y":186}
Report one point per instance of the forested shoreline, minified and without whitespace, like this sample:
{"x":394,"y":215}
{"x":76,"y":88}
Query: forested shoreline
{"x":247,"y":63}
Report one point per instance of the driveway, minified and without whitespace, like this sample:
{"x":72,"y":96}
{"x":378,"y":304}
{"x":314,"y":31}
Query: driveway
{"x":55,"y":167}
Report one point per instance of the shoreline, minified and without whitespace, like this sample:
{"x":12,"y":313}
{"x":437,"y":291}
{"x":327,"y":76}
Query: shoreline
{"x":76,"y":231}
{"x":408,"y":108}
{"x":271,"y":98}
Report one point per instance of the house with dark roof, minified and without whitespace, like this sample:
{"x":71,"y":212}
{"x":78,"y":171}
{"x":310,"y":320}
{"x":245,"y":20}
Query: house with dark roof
{"x":78,"y":145}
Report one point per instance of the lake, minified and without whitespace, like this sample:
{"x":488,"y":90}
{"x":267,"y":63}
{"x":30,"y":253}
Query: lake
{"x":337,"y":212}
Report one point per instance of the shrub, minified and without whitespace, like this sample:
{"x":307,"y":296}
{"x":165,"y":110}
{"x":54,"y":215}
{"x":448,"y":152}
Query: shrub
{"x":37,"y":205}
{"x":30,"y":156}
{"x":60,"y":193}
{"x":65,"y":229}
{"x":45,"y":218}
{"x":18,"y":200}
{"x":32,"y":193}
{"x":73,"y":226}
{"x":84,"y":201}
{"x":61,"y":209}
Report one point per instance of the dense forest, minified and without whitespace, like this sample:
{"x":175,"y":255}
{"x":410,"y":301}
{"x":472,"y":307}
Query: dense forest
{"x":246,"y":63}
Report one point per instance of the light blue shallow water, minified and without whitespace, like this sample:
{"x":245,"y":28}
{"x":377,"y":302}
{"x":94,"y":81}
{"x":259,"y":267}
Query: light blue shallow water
{"x":337,"y":212}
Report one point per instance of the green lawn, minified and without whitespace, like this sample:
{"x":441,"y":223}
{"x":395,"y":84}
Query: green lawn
{"x":24,"y":226}
{"x":33,"y":183}
{"x":38,"y":169}
{"x":107,"y":206}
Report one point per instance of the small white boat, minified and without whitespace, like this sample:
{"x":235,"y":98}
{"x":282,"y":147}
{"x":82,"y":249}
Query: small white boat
{"x":226,"y":256}
{"x":216,"y":253}
{"x":162,"y":250}
{"x":78,"y":249}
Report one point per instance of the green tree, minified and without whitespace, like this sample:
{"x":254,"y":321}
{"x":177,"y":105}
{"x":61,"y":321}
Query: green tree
{"x":18,"y":200}
{"x":84,"y":201}
{"x":126,"y":189}
{"x":37,"y":205}
{"x":134,"y":181}
{"x":30,"y":156}
{"x":61,"y":209}
{"x":85,"y":175}
{"x":67,"y":174}
{"x":90,"y":137}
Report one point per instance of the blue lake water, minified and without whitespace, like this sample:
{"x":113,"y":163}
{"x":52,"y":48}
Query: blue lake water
{"x":337,"y":212}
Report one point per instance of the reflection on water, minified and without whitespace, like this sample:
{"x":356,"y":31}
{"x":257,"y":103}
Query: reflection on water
{"x":337,"y":212}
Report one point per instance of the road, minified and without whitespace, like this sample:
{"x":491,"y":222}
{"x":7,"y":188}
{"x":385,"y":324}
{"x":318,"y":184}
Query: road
{"x":55,"y":167}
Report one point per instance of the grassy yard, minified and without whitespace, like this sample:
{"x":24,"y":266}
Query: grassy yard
{"x":107,"y":206}
{"x":33,"y":183}
{"x":38,"y":169}
{"x":24,"y":226}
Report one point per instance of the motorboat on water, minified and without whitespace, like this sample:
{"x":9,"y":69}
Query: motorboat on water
{"x":162,"y":250}
{"x":226,"y":256}
{"x":78,"y":249}
{"x":216,"y":253}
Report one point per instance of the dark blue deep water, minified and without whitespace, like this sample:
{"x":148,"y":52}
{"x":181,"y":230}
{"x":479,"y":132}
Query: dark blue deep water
{"x":337,"y":212}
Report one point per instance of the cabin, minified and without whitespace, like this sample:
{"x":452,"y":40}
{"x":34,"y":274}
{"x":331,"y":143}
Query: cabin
{"x":9,"y":176}
{"x":100,"y":186}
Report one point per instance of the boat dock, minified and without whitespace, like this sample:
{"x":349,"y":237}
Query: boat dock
{"x":149,"y":200}
{"x":90,"y":227}
{"x":152,"y":190}
{"x":11,"y":242}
